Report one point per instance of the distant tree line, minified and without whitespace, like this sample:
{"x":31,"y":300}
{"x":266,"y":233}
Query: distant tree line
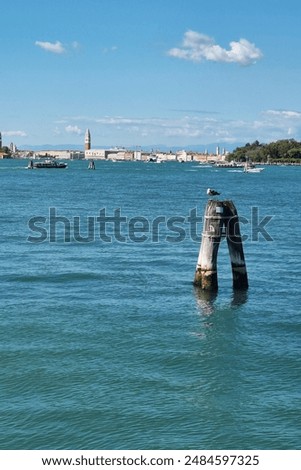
{"x":5,"y":150}
{"x":286,"y":151}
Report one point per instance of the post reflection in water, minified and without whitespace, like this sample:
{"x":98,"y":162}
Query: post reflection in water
{"x":223,"y":368}
{"x":239,"y":297}
{"x":206,"y":299}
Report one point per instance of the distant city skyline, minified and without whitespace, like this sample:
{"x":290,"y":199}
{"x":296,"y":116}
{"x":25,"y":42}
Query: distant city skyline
{"x":171,"y":74}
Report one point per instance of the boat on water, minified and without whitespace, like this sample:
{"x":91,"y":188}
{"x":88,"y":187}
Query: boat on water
{"x":253,"y":170}
{"x":46,"y":164}
{"x":152,"y":159}
{"x":249,"y":168}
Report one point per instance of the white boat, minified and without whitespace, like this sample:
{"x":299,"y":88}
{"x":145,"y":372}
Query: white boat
{"x":253,"y":170}
{"x":46,"y":164}
{"x":152,"y":159}
{"x":250,"y":168}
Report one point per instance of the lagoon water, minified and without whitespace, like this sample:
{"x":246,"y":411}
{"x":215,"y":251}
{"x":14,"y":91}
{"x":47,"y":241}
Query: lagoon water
{"x":107,"y":344}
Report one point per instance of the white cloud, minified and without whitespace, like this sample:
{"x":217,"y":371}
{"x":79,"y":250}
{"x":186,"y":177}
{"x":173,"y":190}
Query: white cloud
{"x":73,"y":130}
{"x":283,"y":124}
{"x":197,"y":47}
{"x":55,"y":47}
{"x":283,"y":114}
{"x":14,"y":133}
{"x":107,"y":50}
{"x":119,"y":120}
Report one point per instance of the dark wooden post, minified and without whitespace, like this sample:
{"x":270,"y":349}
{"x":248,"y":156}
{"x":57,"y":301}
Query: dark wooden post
{"x":239,"y":270}
{"x":220,"y":219}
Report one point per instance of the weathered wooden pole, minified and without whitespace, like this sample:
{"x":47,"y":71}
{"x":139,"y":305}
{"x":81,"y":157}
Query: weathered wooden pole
{"x":234,"y":240}
{"x":206,"y":270}
{"x":220,"y":220}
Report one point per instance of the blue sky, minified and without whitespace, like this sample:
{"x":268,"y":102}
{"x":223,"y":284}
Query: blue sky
{"x":150,"y":72}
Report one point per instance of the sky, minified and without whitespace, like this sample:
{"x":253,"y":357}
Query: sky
{"x":150,"y":72}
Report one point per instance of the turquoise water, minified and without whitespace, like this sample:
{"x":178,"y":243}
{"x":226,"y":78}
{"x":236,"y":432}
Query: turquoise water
{"x":107,"y":345}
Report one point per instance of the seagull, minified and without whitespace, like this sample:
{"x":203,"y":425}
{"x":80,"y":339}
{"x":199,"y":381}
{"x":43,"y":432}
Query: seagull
{"x":212,"y":192}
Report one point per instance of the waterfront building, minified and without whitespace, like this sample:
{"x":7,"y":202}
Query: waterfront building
{"x":60,"y":154}
{"x":108,"y":154}
{"x":183,"y":156}
{"x":138,"y":155}
{"x":95,"y":153}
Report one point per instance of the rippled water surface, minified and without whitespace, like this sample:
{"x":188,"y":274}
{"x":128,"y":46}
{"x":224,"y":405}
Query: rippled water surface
{"x":107,"y":345}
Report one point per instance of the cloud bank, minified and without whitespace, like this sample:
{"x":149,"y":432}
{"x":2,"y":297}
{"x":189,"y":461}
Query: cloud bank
{"x":197,"y":47}
{"x":54,"y":47}
{"x":270,"y":125}
{"x":14,"y":133}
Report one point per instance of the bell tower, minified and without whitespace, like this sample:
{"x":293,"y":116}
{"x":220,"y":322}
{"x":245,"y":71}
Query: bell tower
{"x":0,"y":140}
{"x":87,"y":140}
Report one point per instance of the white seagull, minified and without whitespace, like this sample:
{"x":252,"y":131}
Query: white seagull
{"x":212,"y":192}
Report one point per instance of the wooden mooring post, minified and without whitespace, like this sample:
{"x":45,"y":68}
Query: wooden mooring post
{"x":221,"y":220}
